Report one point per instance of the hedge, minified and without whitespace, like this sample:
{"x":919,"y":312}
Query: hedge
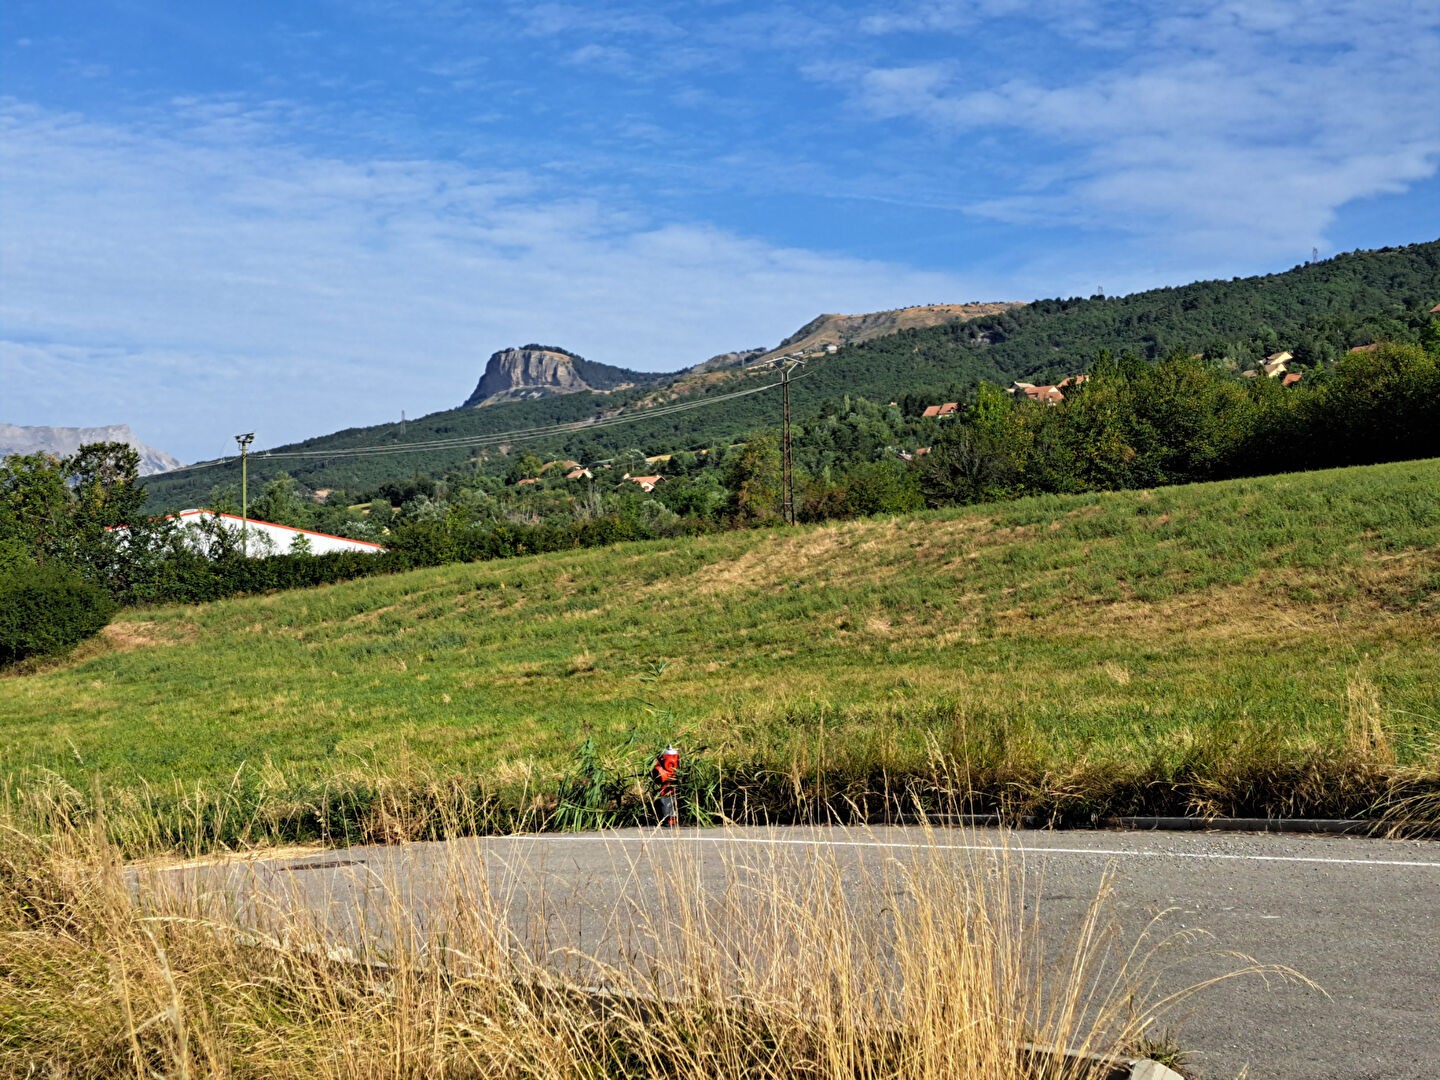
{"x":47,"y":610}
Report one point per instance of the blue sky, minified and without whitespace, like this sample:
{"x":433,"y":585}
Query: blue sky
{"x":292,"y":218}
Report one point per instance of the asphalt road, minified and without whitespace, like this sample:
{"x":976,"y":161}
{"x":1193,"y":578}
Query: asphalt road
{"x":1358,"y":917}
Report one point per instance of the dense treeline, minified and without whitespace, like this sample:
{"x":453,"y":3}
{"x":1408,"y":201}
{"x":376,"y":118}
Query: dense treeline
{"x":1134,"y":424}
{"x":1317,"y":312}
{"x":1138,"y":424}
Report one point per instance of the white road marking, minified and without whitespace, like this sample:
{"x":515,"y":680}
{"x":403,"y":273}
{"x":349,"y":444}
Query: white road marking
{"x":996,"y":848}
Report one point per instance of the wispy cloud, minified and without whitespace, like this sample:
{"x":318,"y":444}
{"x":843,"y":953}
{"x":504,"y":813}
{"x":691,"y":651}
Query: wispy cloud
{"x":197,"y":273}
{"x":1219,"y":123}
{"x":391,"y":189}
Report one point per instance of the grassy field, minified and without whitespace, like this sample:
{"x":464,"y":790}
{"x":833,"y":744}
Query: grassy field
{"x":1260,"y":646}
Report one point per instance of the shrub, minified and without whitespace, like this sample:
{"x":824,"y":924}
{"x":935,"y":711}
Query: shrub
{"x":47,"y":610}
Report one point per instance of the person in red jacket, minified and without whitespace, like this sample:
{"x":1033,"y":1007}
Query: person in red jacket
{"x":663,"y":775}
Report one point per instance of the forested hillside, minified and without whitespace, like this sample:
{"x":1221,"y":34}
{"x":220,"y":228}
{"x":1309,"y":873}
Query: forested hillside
{"x":1316,"y":311}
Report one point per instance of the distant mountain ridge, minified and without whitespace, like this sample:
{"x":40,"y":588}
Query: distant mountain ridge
{"x":1316,"y":311}
{"x":60,"y":441}
{"x":843,"y":330}
{"x":535,"y":371}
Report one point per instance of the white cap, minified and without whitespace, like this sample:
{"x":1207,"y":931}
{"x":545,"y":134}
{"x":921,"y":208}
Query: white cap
{"x":671,"y":750}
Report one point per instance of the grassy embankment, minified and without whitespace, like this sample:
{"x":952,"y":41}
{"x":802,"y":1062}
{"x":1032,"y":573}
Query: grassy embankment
{"x":1253,"y":647}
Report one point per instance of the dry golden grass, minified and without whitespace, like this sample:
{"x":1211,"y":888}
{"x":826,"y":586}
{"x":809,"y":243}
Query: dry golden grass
{"x":131,"y":634}
{"x":106,"y":970}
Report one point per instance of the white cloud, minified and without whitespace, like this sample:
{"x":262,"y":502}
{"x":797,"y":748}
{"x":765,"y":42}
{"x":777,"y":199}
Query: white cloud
{"x":1228,"y":126}
{"x":197,"y":275}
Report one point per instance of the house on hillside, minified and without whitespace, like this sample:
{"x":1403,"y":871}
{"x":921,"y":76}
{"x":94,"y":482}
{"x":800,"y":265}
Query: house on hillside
{"x":1274,"y":364}
{"x":1291,"y":379}
{"x":1048,"y":395}
{"x":264,"y":538}
{"x":1366,"y":348}
{"x":931,"y":411}
{"x":950,"y":408}
{"x":579,"y":473}
{"x":647,"y":483}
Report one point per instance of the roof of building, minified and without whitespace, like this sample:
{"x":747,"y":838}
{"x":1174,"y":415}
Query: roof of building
{"x":276,"y":525}
{"x":931,"y":410}
{"x":1048,"y":394}
{"x":1291,"y":379}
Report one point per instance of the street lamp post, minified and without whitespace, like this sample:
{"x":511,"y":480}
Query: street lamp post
{"x":244,"y":441}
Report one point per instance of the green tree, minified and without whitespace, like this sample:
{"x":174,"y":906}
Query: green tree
{"x":525,"y":467}
{"x":35,"y":507}
{"x":282,"y":502}
{"x":752,"y":476}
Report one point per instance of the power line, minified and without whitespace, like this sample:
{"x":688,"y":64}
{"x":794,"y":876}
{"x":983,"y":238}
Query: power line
{"x":519,"y":435}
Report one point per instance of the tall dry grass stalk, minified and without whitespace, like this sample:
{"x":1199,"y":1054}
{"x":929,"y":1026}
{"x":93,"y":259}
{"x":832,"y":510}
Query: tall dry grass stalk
{"x":776,"y":966}
{"x":1366,"y":739}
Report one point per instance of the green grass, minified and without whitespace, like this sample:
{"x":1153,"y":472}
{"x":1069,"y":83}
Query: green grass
{"x":1257,"y":646}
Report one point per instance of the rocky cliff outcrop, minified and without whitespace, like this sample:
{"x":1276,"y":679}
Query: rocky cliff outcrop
{"x":60,"y":441}
{"x":516,"y":374}
{"x":534,"y":371}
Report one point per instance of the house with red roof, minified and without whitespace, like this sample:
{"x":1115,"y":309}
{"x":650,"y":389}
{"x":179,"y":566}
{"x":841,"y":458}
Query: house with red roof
{"x":647,"y":483}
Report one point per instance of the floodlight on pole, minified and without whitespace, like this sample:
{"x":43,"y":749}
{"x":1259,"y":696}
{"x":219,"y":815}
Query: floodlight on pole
{"x":244,"y":441}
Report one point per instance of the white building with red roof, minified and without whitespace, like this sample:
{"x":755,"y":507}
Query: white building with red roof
{"x":264,"y":538}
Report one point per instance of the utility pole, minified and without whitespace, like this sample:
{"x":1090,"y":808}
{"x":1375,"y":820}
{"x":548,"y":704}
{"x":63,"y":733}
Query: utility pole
{"x":787,"y":460}
{"x":244,"y":441}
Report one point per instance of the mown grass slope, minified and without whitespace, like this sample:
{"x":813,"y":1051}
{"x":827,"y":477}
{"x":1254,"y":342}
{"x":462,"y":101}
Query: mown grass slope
{"x":1256,"y":646}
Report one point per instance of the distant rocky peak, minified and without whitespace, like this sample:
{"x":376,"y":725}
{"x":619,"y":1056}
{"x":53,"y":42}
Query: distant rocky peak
{"x":530,"y":371}
{"x":534,"y":371}
{"x":63,"y":441}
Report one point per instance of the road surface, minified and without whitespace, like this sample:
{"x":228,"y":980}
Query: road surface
{"x":1358,"y":917}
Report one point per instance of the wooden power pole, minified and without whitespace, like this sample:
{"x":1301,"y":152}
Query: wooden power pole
{"x":788,"y":364}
